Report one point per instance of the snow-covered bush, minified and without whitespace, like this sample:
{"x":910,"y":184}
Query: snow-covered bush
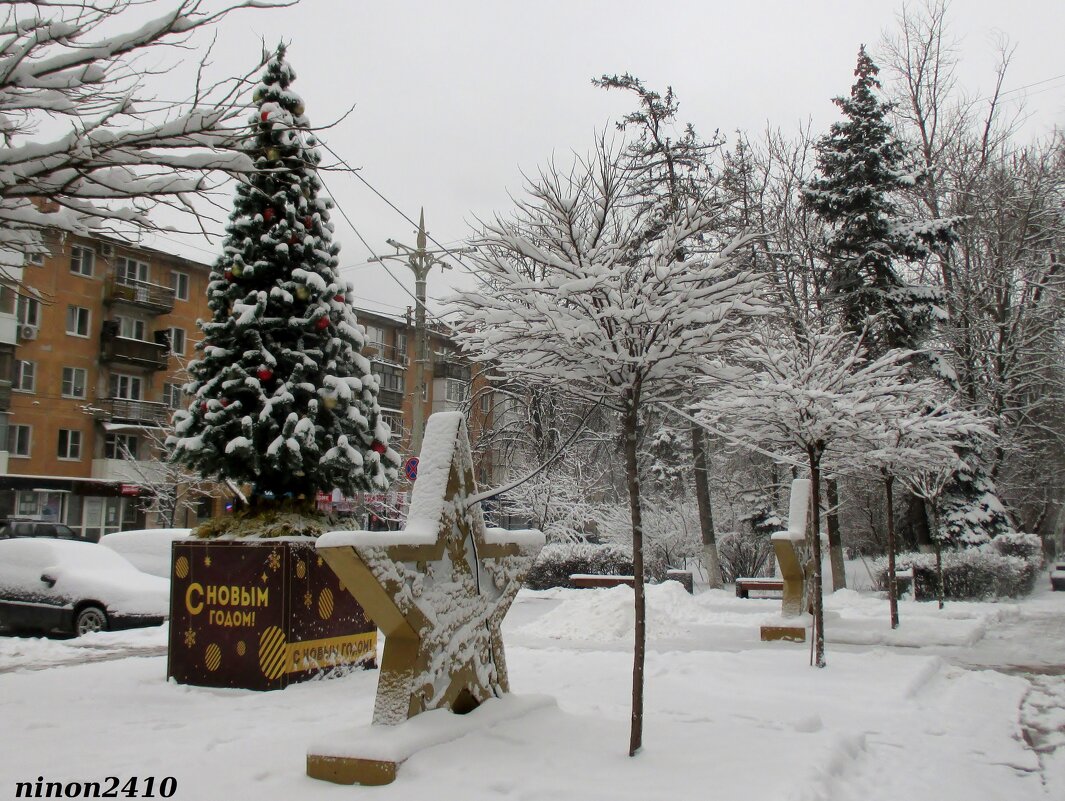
{"x":969,"y":574}
{"x":744,"y":554}
{"x":1026,"y":546}
{"x":558,"y":561}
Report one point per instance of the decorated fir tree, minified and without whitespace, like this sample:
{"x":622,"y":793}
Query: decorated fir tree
{"x":280,"y":395}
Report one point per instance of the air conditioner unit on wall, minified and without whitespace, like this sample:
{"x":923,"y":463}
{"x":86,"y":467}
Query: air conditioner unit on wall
{"x":106,"y":250}
{"x":27,"y":332}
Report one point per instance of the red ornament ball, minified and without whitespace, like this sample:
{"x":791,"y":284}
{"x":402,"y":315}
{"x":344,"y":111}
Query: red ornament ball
{"x":268,"y":215}
{"x":338,"y":298}
{"x":264,"y":373}
{"x":378,"y":447}
{"x":225,"y":402}
{"x":322,"y":324}
{"x":308,"y":221}
{"x":203,"y":406}
{"x":229,"y":275}
{"x":264,"y":116}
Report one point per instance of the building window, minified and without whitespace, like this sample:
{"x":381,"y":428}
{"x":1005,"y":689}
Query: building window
{"x":69,"y":444}
{"x":173,"y":396}
{"x":131,"y":328}
{"x":486,"y":402}
{"x":28,"y":311}
{"x":74,"y":381}
{"x":25,"y":376}
{"x":127,"y":387}
{"x":401,"y":347}
{"x":375,"y":338}
{"x":179,"y":282}
{"x":130,"y":271}
{"x":81,"y":261}
{"x":18,"y":440}
{"x":394,"y":421}
{"x":177,"y":341}
{"x":78,"y":321}
{"x":121,"y":446}
{"x":456,"y":390}
{"x":36,"y":259}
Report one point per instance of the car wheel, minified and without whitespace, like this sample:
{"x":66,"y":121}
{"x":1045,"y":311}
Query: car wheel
{"x":89,"y":619}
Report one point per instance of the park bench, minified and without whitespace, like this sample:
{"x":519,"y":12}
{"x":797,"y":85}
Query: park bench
{"x":745,"y":585}
{"x":587,"y":581}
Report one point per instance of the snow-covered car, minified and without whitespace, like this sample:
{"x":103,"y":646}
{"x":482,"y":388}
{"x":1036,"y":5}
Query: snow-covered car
{"x":54,"y":585}
{"x":1057,"y":576}
{"x":148,"y":548}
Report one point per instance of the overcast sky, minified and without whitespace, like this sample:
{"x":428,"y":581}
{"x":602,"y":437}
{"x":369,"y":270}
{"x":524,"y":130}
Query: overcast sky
{"x":452,"y":100}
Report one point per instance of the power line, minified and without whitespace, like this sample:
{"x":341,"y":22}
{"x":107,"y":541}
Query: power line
{"x":369,"y":247}
{"x":453,"y":255}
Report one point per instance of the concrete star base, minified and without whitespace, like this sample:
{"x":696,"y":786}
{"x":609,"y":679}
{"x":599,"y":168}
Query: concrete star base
{"x":371,"y":755}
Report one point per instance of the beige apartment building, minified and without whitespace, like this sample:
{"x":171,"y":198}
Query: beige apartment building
{"x":451,"y":383}
{"x":94,"y":338}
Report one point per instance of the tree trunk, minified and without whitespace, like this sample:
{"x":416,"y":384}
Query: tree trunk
{"x":835,"y":542}
{"x":711,"y":562}
{"x":937,"y":546}
{"x":922,"y":524}
{"x":814,"y":455}
{"x":630,"y":426}
{"x":892,"y":580}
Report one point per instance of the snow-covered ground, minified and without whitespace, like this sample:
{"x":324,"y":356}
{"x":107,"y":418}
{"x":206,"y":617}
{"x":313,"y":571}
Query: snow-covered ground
{"x":892,"y":716}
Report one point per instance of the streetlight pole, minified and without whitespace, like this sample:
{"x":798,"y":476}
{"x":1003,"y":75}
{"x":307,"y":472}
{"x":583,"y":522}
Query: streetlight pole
{"x":420,"y":260}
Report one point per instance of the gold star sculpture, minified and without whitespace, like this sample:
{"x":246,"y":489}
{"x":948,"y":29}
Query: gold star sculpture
{"x":438,"y":590}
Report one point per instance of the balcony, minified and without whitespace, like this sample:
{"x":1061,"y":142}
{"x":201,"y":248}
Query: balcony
{"x":378,"y":351}
{"x":5,"y":401}
{"x":446,"y":365}
{"x":138,"y":352}
{"x":390,"y":399}
{"x":128,"y":471}
{"x":155,"y":297}
{"x":140,"y":412}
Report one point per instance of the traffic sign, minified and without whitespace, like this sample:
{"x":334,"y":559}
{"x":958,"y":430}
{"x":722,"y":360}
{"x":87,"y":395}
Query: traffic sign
{"x":410,"y":468}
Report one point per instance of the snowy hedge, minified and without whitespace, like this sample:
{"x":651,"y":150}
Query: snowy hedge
{"x":558,"y":561}
{"x":1006,"y":567}
{"x":1025,"y":546}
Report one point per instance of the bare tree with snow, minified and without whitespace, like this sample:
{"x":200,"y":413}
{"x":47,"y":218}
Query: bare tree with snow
{"x":85,"y":147}
{"x":575,"y":293}
{"x":921,"y":448}
{"x":813,"y":397}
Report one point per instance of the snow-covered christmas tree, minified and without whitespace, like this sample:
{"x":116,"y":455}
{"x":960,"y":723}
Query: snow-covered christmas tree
{"x":280,"y":395}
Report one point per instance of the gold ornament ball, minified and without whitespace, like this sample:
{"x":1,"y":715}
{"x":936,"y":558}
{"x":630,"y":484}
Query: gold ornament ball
{"x":273,"y":154}
{"x":302,"y":292}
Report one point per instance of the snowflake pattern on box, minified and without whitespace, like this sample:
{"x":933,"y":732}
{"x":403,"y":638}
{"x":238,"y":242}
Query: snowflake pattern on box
{"x":440,"y":588}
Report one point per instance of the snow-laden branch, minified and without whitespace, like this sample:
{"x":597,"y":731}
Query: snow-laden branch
{"x":81,"y":144}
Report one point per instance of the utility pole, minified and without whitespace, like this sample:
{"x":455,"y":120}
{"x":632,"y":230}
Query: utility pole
{"x":420,"y":260}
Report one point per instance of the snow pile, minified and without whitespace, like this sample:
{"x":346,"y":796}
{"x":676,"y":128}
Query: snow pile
{"x":607,"y":616}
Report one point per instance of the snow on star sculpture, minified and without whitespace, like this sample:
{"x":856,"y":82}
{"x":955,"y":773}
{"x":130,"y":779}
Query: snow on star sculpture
{"x":438,"y":590}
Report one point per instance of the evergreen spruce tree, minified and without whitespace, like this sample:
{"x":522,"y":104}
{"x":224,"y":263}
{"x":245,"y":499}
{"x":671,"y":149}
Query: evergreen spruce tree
{"x":280,"y":395}
{"x":864,"y":169}
{"x":864,"y":172}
